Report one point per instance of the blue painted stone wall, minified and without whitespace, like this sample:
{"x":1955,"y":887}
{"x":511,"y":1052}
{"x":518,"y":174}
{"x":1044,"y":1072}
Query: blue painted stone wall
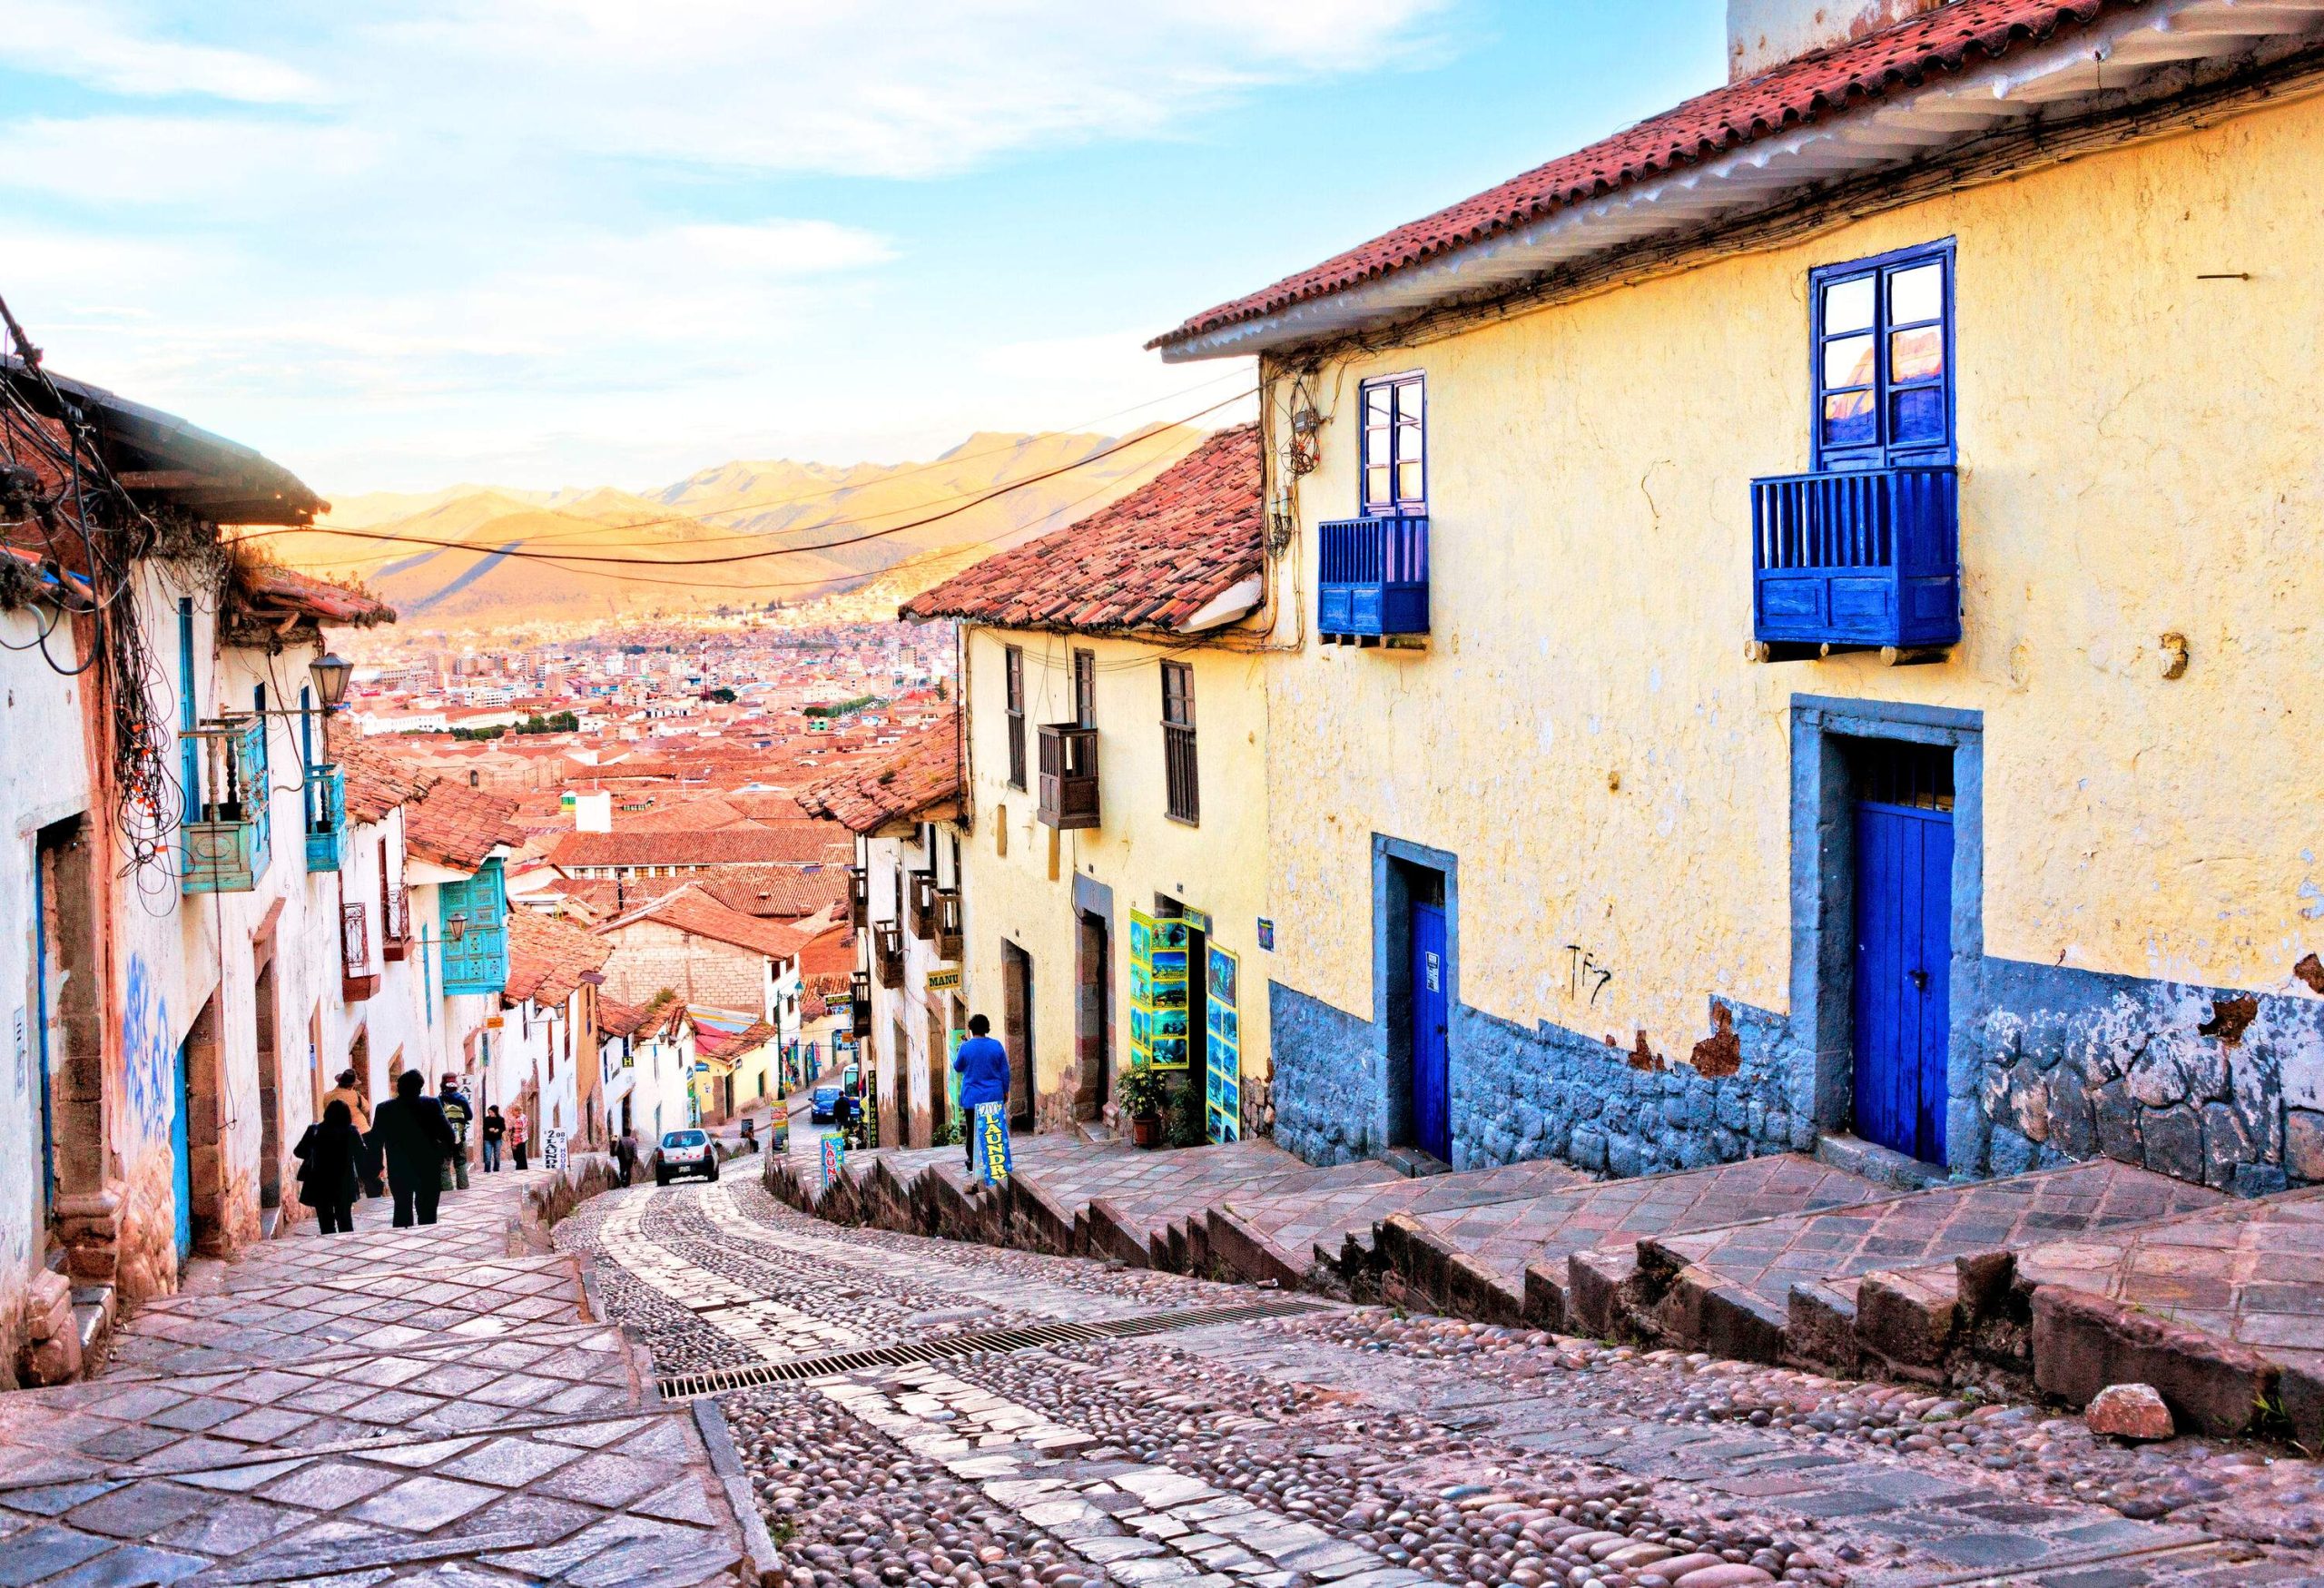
{"x":1520,"y":1093}
{"x":2074,"y":1064}
{"x":1331,"y":1079}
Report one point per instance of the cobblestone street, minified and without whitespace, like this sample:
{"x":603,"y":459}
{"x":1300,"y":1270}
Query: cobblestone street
{"x":436,"y":1406}
{"x":918,"y":1411}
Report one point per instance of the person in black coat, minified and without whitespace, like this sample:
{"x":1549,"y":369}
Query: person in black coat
{"x":409,"y":1130}
{"x":332,"y":1155}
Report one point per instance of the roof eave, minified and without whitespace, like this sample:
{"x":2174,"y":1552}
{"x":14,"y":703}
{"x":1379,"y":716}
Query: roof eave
{"x":2111,"y":57}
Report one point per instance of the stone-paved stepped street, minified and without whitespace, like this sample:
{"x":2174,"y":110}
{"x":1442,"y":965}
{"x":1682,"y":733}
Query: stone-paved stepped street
{"x":389,"y":1406}
{"x":1348,"y":1446}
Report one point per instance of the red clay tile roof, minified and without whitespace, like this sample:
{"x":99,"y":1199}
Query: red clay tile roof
{"x":922,"y":778}
{"x":1152,"y":560}
{"x":710,"y":1043}
{"x":377,"y":782}
{"x":263,"y":595}
{"x":458,"y":826}
{"x":829,"y":955}
{"x":782,"y":893}
{"x":641,"y":1020}
{"x":783,"y":843}
{"x":691,"y":911}
{"x":1830,"y":83}
{"x":548,"y":957}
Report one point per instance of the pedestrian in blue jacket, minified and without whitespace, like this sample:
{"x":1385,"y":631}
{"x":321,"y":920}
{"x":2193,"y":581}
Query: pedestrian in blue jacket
{"x":982,"y":1065}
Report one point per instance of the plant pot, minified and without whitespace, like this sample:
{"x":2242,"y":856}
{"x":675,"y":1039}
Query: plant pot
{"x":1146,"y":1131}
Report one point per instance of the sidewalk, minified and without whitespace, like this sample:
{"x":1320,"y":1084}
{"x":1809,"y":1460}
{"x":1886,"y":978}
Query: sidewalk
{"x":434,"y":1405}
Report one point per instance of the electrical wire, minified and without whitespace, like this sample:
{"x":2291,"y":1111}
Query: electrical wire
{"x":1013,"y":486}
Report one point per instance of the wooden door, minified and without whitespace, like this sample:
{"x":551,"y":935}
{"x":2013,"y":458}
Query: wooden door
{"x":1431,"y":1059}
{"x":1904,"y":889}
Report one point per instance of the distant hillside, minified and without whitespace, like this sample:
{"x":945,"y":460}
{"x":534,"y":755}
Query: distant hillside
{"x":834,"y":528}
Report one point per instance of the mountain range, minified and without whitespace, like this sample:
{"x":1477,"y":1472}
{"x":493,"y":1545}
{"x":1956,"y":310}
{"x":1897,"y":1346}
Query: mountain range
{"x":484,"y":556}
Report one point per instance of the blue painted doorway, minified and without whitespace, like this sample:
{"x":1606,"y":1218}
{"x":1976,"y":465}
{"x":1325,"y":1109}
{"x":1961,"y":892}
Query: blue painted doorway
{"x":1904,"y":948}
{"x":182,"y":1154}
{"x":1432,"y":1065}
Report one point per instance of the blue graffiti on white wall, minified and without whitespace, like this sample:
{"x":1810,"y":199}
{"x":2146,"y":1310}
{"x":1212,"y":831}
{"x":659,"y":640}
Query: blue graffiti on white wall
{"x":151,"y":1058}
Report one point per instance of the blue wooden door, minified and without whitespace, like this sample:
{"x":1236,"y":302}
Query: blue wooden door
{"x":1904,"y":893}
{"x":181,"y":1156}
{"x":1432,"y":1071}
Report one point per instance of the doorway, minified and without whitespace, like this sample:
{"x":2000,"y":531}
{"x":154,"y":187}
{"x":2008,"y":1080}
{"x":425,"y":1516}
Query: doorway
{"x":1017,"y":1021}
{"x":1902,"y":1003}
{"x":934,"y":1077}
{"x":1432,"y":1078}
{"x":890,"y":1102}
{"x":1093,"y":1016}
{"x":270,"y":1081}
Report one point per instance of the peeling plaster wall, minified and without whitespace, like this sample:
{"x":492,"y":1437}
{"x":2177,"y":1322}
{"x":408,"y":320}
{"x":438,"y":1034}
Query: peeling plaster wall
{"x":42,"y":780}
{"x":1219,"y":866}
{"x":2140,"y":452}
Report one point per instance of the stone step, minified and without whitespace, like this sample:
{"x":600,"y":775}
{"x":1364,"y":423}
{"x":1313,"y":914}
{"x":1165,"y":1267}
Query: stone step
{"x":2220,"y":1309}
{"x":95,"y":1316}
{"x":1788,"y":1287}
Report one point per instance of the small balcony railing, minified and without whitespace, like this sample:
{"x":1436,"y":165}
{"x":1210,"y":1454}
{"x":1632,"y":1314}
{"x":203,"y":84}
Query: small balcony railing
{"x":1069,"y":793}
{"x":1857,"y":560}
{"x":923,"y":905}
{"x":226,"y":837}
{"x":395,"y":922}
{"x":1373,"y":577}
{"x":947,"y":924}
{"x":326,"y":806}
{"x":359,"y":973}
{"x":859,"y":898}
{"x":888,"y":953}
{"x":859,"y":1003}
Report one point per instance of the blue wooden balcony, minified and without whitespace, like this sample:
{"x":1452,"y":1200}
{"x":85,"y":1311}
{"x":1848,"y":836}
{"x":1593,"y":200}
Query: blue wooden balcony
{"x":1858,"y":559}
{"x":226,"y":839}
{"x":1374,"y":576}
{"x":326,"y":801}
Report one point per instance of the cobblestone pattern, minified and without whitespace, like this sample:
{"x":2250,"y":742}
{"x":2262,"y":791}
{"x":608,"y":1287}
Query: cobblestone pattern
{"x":1427,"y":1449}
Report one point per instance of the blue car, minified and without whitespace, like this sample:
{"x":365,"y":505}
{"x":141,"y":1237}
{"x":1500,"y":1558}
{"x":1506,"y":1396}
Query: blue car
{"x":823,"y":1105}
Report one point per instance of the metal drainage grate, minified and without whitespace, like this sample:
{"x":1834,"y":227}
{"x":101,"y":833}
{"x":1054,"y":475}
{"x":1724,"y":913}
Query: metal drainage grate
{"x":946,"y":1348}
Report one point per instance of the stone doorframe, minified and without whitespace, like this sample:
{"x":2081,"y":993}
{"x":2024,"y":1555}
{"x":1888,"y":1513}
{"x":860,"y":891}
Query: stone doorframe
{"x":1823,"y":905}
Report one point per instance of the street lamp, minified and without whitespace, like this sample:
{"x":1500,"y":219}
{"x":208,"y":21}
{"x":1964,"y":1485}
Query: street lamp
{"x":330,"y":672}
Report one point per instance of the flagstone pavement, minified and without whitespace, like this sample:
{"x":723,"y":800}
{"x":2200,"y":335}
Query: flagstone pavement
{"x":431,"y":1405}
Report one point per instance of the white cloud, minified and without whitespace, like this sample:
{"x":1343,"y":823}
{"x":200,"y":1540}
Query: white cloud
{"x":92,"y":42}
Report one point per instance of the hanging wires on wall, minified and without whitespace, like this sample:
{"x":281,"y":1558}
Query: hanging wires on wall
{"x":59,"y":496}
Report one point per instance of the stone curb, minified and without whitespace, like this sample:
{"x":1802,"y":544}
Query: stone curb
{"x":758,"y":1544}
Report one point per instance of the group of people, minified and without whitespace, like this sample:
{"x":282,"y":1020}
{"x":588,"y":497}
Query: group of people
{"x":414,"y":1147}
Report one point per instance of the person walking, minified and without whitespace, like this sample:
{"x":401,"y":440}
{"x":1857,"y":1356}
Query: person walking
{"x":495,"y":1128}
{"x":982,"y":1065}
{"x":359,"y":1108}
{"x":517,"y":1130}
{"x":625,"y":1155}
{"x":331,"y":1155}
{"x":457,"y":1114}
{"x":412,"y":1134}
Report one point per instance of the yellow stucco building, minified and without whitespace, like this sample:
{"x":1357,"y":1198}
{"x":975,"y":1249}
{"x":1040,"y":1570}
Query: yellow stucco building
{"x":1113,"y":885}
{"x":1808,"y":620}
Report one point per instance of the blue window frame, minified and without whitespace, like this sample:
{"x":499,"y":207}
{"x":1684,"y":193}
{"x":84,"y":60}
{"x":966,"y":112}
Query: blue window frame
{"x":1883,"y":359}
{"x":1394,"y":480}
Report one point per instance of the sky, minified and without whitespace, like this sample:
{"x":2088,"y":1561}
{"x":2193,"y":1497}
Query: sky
{"x":558,"y":243}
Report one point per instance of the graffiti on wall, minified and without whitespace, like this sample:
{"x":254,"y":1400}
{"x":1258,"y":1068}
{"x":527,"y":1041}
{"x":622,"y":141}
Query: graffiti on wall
{"x":149,"y":1055}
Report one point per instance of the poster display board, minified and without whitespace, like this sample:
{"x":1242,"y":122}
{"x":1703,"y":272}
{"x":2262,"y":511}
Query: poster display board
{"x":1223,"y":1045}
{"x":1157,"y":993}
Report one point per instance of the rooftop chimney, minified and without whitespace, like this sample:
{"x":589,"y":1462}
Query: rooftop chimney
{"x":1761,"y":33}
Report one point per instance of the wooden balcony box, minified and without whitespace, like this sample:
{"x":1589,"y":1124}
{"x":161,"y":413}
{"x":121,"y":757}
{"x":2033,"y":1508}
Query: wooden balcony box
{"x":859,"y":997}
{"x":358,"y":973}
{"x":859,"y":898}
{"x":888,"y":953}
{"x":226,"y":839}
{"x":1069,"y":793}
{"x":1373,"y":577}
{"x":947,"y":924}
{"x":325,"y":796}
{"x":923,"y":905}
{"x":395,"y":924}
{"x":1855,"y":561}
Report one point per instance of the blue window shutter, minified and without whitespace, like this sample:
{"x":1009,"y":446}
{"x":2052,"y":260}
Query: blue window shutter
{"x":478,"y":963}
{"x":1881,"y":359}
{"x":258,"y":790}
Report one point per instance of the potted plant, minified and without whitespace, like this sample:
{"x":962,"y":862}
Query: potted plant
{"x":1142,"y":1094}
